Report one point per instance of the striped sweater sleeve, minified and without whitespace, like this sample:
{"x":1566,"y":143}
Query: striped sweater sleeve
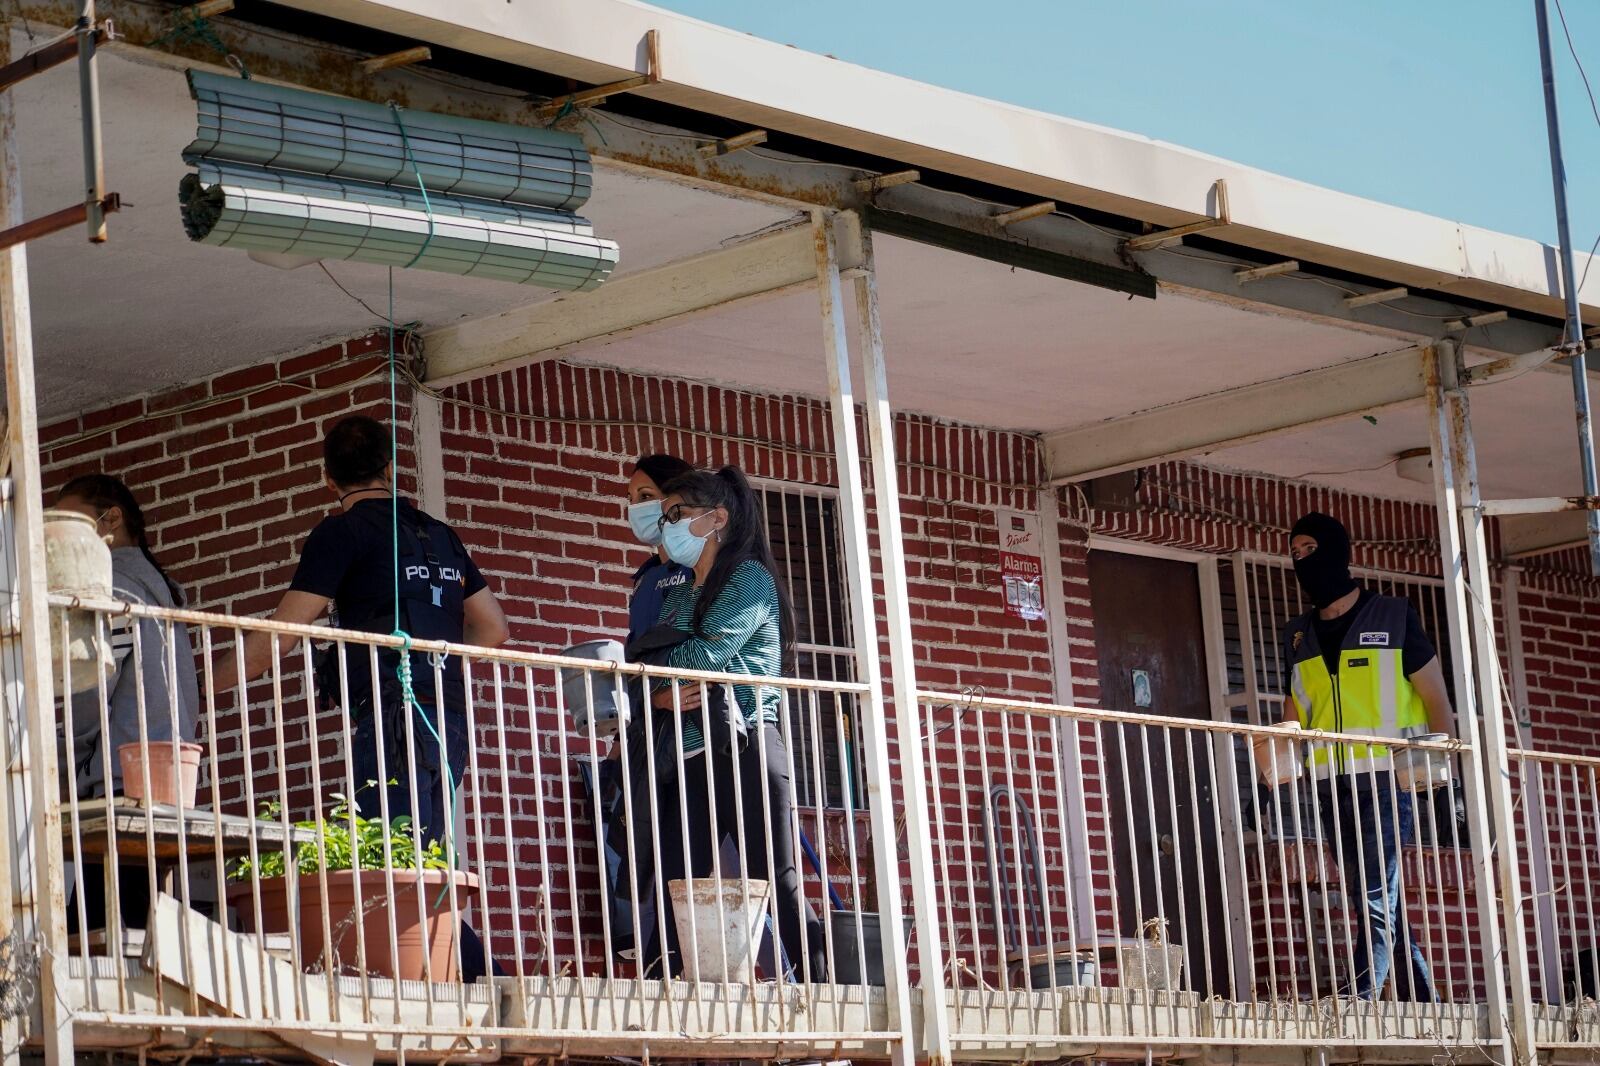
{"x":746,"y":603}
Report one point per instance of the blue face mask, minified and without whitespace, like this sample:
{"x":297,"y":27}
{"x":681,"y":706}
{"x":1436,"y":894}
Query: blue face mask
{"x":645,"y":518}
{"x":684,"y":546}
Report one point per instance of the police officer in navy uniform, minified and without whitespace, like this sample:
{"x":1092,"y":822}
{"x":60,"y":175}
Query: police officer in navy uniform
{"x":1361,"y":663}
{"x":349,"y":562}
{"x":657,"y":573}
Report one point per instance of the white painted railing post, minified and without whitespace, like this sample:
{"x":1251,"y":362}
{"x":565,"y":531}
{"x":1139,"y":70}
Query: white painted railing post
{"x":36,"y":709}
{"x":934,"y":1042}
{"x":1479,"y":724}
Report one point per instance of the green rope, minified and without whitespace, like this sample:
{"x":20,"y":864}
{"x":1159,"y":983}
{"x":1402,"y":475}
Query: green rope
{"x":408,"y":694}
{"x":198,"y":30}
{"x":405,"y":142}
{"x":567,"y":107}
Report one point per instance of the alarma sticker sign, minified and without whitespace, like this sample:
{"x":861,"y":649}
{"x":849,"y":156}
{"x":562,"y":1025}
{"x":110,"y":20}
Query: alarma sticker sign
{"x":1021,"y":565}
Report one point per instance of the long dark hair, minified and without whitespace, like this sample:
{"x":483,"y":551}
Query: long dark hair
{"x":105,"y":492}
{"x":663,"y":469}
{"x":744,"y":537}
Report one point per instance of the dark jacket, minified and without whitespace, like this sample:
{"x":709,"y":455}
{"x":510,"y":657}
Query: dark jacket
{"x":650,"y":725}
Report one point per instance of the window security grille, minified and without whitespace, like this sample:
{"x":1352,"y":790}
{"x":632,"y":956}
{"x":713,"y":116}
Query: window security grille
{"x":803,"y":525}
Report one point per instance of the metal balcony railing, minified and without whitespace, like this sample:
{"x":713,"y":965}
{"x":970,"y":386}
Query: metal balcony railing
{"x":1106,"y":882}
{"x":1122,"y":880}
{"x":289,"y":893}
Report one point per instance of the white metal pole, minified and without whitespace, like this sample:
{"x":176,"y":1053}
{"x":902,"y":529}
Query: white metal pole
{"x":934,"y":1045}
{"x":1444,"y":430}
{"x":1071,"y":759}
{"x":1496,"y":763}
{"x":1546,"y":929}
{"x":38,"y":704}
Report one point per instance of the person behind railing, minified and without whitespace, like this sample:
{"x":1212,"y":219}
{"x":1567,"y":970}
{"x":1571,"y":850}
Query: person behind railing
{"x":658,"y":572}
{"x":1360,"y":662}
{"x":349,"y":563}
{"x":733,"y":617}
{"x":651,"y":580}
{"x":167,"y":676}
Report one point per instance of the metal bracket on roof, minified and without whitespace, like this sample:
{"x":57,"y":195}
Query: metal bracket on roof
{"x":1380,"y":296}
{"x":420,"y":54}
{"x":747,"y":139}
{"x":1022,"y":214}
{"x":1488,"y":318}
{"x":876,"y":184}
{"x":1271,"y":270}
{"x":1161,"y":237}
{"x":597,"y":95}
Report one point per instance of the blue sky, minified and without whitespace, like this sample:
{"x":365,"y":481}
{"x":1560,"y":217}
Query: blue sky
{"x":1429,"y":104}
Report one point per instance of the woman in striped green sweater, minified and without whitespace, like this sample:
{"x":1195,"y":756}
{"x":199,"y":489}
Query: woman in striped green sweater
{"x":739,"y":621}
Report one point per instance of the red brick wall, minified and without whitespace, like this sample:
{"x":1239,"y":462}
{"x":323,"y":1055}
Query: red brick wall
{"x":535,"y":461}
{"x":228,"y":471}
{"x":536,"y":490}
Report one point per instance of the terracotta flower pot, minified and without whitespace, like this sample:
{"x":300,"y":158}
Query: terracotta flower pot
{"x":167,"y":782}
{"x":433,"y":937}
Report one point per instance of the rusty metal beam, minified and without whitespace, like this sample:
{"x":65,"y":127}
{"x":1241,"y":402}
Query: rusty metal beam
{"x":1541,"y":505}
{"x":42,"y":59}
{"x":755,"y":269}
{"x":56,"y":221}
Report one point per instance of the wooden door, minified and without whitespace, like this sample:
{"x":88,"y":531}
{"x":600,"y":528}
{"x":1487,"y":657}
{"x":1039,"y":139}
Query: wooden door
{"x":1149,"y":632}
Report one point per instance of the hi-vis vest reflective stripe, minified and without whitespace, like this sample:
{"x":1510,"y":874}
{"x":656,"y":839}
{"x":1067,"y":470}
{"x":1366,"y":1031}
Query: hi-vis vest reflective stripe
{"x":1370,"y":695}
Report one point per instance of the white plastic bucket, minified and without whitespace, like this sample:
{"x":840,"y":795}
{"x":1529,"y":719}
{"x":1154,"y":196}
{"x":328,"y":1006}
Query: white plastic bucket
{"x":1278,"y":758}
{"x":1419,"y":770}
{"x":709,"y":934}
{"x":77,"y":562}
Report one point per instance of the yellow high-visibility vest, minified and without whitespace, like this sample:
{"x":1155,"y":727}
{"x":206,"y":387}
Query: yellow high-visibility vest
{"x":1370,"y":695}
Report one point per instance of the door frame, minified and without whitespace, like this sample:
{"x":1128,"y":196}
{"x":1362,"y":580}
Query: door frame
{"x":1225,"y":783}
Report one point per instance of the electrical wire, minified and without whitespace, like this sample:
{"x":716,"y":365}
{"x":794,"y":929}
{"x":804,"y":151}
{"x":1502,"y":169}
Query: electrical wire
{"x":1567,"y":30}
{"x":347,"y":292}
{"x":1594,"y":109}
{"x":22,"y":16}
{"x":1337,"y":473}
{"x":379,"y":367}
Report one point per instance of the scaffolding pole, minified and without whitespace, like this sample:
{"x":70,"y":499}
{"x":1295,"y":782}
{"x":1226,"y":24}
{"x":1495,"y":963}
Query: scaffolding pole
{"x":37,"y":706}
{"x":1573,"y":344}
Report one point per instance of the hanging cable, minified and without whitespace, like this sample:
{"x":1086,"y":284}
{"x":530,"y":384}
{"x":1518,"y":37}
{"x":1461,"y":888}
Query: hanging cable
{"x":408,"y":694}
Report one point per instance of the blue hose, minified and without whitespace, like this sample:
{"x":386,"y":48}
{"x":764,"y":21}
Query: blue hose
{"x":816,"y":864}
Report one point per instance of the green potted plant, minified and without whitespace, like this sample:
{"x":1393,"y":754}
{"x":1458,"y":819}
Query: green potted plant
{"x":363,"y":857}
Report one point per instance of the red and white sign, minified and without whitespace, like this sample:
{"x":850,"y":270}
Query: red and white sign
{"x":1021,"y":565}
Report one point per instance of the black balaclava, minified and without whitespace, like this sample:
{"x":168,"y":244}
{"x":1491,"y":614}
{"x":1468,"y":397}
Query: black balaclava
{"x":1325,"y":573}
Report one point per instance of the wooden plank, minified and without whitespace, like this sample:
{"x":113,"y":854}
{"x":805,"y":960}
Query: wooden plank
{"x":228,"y":971}
{"x":775,"y":262}
{"x":199,"y":835}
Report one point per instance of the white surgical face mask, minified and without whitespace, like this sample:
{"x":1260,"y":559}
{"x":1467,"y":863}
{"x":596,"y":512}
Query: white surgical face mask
{"x":645,"y":518}
{"x":684,"y":546}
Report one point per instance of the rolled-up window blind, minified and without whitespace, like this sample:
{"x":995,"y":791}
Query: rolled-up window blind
{"x":306,"y":174}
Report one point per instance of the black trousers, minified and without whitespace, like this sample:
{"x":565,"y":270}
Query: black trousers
{"x":712,"y":811}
